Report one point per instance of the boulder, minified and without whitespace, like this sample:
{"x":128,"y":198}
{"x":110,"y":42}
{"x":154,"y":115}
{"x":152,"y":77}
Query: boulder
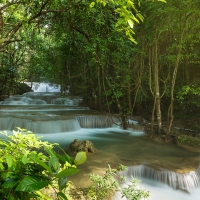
{"x":81,"y":145}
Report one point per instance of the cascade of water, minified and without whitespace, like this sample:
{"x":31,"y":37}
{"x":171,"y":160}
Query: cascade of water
{"x":36,"y":126}
{"x":58,"y":119}
{"x":72,"y":101}
{"x":183,"y":182}
{"x":96,"y":121}
{"x":67,"y":101}
{"x":46,"y":87}
{"x":58,"y":101}
{"x":22,"y":100}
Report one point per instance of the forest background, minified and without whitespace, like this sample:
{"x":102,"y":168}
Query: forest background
{"x":126,"y":57}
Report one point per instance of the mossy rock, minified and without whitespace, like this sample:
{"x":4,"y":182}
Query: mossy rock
{"x":81,"y":145}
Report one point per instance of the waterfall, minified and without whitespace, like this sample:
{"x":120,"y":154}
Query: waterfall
{"x":46,"y":87}
{"x":75,"y":101}
{"x":36,"y":126}
{"x":96,"y":121}
{"x":59,"y":101}
{"x":56,"y":124}
{"x":22,"y":100}
{"x":184,"y":182}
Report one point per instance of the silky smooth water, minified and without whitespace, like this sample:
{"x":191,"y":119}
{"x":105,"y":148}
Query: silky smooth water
{"x":65,"y":123}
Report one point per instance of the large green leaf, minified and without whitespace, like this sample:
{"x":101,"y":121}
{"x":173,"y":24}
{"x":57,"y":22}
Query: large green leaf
{"x":31,"y":183}
{"x":80,"y":158}
{"x":67,"y":172}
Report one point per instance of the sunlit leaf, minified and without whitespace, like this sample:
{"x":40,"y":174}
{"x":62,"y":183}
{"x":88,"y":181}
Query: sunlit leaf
{"x":67,"y":172}
{"x":80,"y":158}
{"x":9,"y":160}
{"x":130,"y":22}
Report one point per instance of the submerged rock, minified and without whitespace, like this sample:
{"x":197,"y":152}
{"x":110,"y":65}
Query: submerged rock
{"x":81,"y":145}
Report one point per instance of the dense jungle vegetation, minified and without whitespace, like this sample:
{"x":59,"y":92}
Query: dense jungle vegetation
{"x":127,"y":57}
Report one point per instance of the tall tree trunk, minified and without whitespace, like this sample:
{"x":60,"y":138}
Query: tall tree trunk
{"x":129,"y":91}
{"x":173,"y":81}
{"x":99,"y":88}
{"x":156,"y":91}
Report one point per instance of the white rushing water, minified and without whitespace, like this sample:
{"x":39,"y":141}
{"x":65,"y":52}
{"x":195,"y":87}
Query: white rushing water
{"x":163,"y":184}
{"x":160,"y":191}
{"x":60,"y":120}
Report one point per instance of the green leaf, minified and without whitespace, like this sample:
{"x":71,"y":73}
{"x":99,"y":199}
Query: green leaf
{"x":65,"y":157}
{"x":49,"y":151}
{"x":31,"y":183}
{"x":40,"y":162}
{"x":10,"y":183}
{"x":54,"y":164}
{"x":2,"y":40}
{"x":135,"y":19}
{"x":62,"y":195}
{"x":104,"y":3}
{"x":62,"y":182}
{"x":25,"y":160}
{"x":80,"y":158}
{"x":130,"y":22}
{"x":67,"y":172}
{"x":9,"y":160}
{"x":92,"y":4}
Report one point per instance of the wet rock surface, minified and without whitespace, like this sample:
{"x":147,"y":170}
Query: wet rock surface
{"x":81,"y":145}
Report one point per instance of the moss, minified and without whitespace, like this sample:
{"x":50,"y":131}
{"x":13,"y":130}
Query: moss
{"x":189,"y":140}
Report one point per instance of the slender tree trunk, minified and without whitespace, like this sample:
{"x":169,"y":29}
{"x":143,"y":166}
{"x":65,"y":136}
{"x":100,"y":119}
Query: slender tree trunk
{"x":156,"y":91}
{"x":171,"y":106}
{"x":129,"y":91}
{"x":173,"y":81}
{"x":99,"y":88}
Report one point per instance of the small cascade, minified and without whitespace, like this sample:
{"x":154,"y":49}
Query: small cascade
{"x":22,"y":100}
{"x":13,"y":100}
{"x":184,"y":182}
{"x":46,"y":87}
{"x":58,"y":101}
{"x":96,"y":121}
{"x":45,"y":96}
{"x":70,"y":102}
{"x":75,"y":101}
{"x":50,"y":126}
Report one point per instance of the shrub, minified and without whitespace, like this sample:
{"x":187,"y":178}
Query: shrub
{"x":31,"y":168}
{"x":28,"y":165}
{"x":104,"y":187}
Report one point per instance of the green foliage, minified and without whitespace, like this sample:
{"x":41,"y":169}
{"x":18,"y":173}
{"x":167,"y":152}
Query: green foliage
{"x":28,"y":165}
{"x":133,"y":191}
{"x":129,"y":15}
{"x":189,"y":140}
{"x":104,"y":186}
{"x":189,"y":99}
{"x":22,"y":88}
